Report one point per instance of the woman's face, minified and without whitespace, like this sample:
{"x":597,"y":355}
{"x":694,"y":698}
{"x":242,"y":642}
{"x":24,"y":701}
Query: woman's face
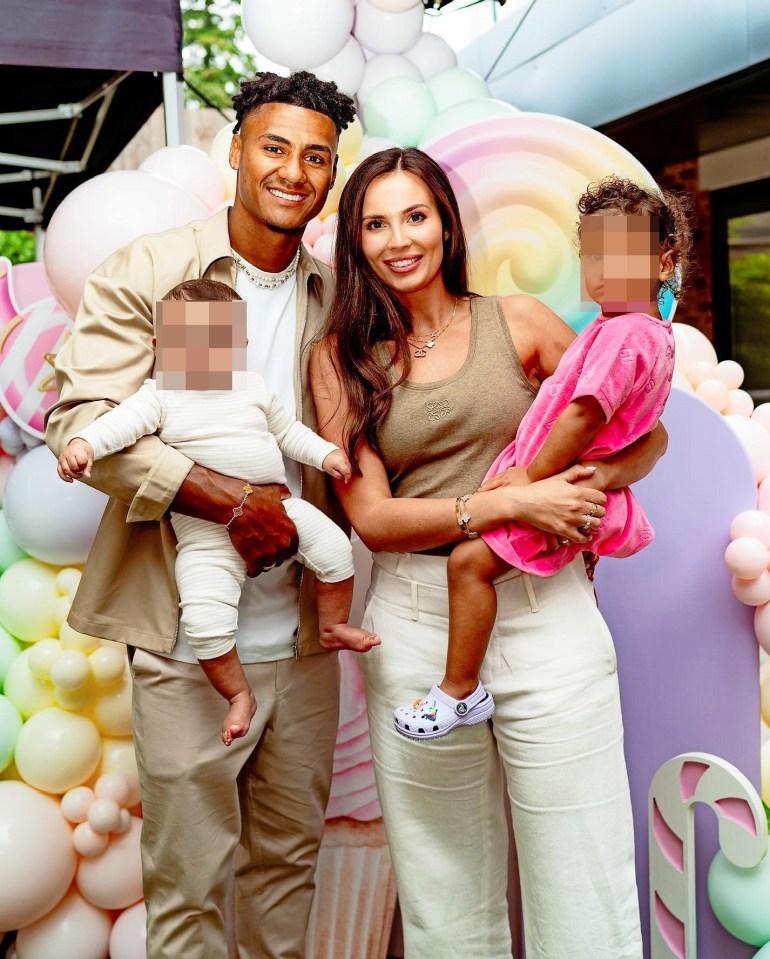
{"x":401,"y":232}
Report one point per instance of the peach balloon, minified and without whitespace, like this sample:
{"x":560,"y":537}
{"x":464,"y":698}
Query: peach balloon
{"x":714,"y":392}
{"x":312,"y":231}
{"x":103,"y":815}
{"x":124,"y":823}
{"x":753,"y":592}
{"x":762,"y":415}
{"x":681,"y":382}
{"x":762,"y":628}
{"x":73,"y":930}
{"x":128,"y":939}
{"x":763,"y":495}
{"x":746,"y":557}
{"x":75,"y":804}
{"x":57,"y":750}
{"x":190,"y":168}
{"x":751,"y":522}
{"x":730,"y":373}
{"x":119,"y":756}
{"x":37,"y":861}
{"x":739,"y":403}
{"x":113,"y":786}
{"x":691,"y":346}
{"x":88,"y":842}
{"x":113,"y":880}
{"x":755,"y":440}
{"x":219,"y":154}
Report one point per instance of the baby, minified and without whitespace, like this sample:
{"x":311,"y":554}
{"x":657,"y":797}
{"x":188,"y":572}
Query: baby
{"x":205,"y":404}
{"x":609,"y":390}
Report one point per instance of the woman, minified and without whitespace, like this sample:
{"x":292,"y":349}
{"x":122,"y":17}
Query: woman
{"x":424,"y":384}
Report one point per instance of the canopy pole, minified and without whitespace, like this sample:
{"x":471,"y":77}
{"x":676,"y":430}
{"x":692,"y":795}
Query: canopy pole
{"x":173,"y":108}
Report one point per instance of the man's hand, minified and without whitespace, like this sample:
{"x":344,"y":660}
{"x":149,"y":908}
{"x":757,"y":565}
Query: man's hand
{"x":76,"y":460}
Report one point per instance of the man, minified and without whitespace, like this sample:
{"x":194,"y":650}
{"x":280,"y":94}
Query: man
{"x":257,"y":808}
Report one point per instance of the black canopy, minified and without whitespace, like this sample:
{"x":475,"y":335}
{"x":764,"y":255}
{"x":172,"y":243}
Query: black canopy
{"x":95,"y":67}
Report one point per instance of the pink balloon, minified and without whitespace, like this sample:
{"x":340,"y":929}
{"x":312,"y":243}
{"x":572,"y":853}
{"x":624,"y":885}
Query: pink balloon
{"x":762,"y":415}
{"x":113,"y":880}
{"x":323,"y":249}
{"x":312,"y":231}
{"x":113,"y":786}
{"x":190,"y":168}
{"x":37,"y":861}
{"x":101,"y":216}
{"x":128,"y":939}
{"x":701,"y":371}
{"x":746,"y":557}
{"x":762,"y":626}
{"x":753,"y":592}
{"x":75,"y":803}
{"x":88,"y":842}
{"x":763,"y":496}
{"x":714,"y":392}
{"x":73,"y":930}
{"x":756,"y":441}
{"x":104,"y":815}
{"x":751,"y":522}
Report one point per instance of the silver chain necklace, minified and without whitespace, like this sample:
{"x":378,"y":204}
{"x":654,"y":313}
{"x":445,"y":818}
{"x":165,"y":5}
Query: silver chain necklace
{"x":266,"y":281}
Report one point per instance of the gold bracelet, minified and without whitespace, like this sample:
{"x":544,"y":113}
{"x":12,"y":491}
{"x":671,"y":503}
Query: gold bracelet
{"x":463,"y":517}
{"x":238,"y":510}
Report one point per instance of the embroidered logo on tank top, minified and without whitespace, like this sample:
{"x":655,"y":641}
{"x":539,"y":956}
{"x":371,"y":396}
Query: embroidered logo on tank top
{"x":438,"y":409}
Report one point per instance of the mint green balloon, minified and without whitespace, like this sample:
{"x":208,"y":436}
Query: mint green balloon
{"x":399,"y":108}
{"x":10,"y":551}
{"x":456,"y":85}
{"x":10,"y":648}
{"x":10,"y":727}
{"x":764,"y":952}
{"x":462,"y":115}
{"x":740,"y":897}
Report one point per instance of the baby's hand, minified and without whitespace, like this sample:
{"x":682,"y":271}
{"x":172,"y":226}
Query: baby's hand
{"x":76,"y":461}
{"x":336,"y":464}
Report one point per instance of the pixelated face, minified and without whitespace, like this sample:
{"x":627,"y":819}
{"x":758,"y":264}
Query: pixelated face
{"x":621,"y":266}
{"x":200,"y":346}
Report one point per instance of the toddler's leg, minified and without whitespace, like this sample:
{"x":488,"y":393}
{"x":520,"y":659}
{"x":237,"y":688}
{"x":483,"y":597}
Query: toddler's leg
{"x":334,"y":600}
{"x":472,"y":610}
{"x":226,"y":675}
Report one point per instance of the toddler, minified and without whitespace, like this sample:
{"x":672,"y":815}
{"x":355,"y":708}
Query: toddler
{"x":205,"y":404}
{"x":608,"y":390}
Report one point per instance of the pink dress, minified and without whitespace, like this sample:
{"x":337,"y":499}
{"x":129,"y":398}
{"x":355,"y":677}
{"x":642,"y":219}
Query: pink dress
{"x":627,"y":363}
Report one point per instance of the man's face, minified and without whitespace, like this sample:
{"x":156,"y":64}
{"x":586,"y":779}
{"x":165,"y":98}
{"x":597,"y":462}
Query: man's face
{"x":286,"y":158}
{"x":200,"y":346}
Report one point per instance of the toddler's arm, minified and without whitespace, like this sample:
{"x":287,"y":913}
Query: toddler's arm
{"x":569,"y":436}
{"x":136,"y":416}
{"x":298,"y":441}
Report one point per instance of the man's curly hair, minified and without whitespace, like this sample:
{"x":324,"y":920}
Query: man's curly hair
{"x":672,"y":210}
{"x":301,"y":89}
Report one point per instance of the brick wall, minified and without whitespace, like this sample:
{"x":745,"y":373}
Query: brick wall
{"x":695,"y":307}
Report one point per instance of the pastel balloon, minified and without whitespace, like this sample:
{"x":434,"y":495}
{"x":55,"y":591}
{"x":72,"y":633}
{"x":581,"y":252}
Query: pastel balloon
{"x":330,"y":224}
{"x":111,"y":711}
{"x":333,"y":199}
{"x":107,"y":665}
{"x":765,"y":772}
{"x":68,"y":580}
{"x":101,"y":216}
{"x":9,"y":650}
{"x":73,"y":930}
{"x":70,"y":670}
{"x":394,"y":6}
{"x":756,"y":442}
{"x":6,"y":465}
{"x":27,"y":595}
{"x":681,"y":382}
{"x":739,"y":898}
{"x":350,"y":143}
{"x":10,"y":551}
{"x":27,"y":693}
{"x":372,"y":145}
{"x":75,"y":804}
{"x":763,"y":495}
{"x":753,"y":592}
{"x":190,"y":168}
{"x":346,"y":69}
{"x":431,"y":54}
{"x":384,"y":112}
{"x":700,"y":371}
{"x":713,"y":392}
{"x":746,"y":557}
{"x":383,"y":32}
{"x":324,"y":248}
{"x":128,"y":939}
{"x":306,"y":34}
{"x":219,"y":154}
{"x":37,"y":861}
{"x":312,"y":231}
{"x":752,"y":522}
{"x":57,"y":750}
{"x":384,"y":67}
{"x":739,"y":403}
{"x":762,"y":626}
{"x":730,"y":373}
{"x":53,"y":521}
{"x":10,"y":727}
{"x":456,"y":85}
{"x":113,"y":880}
{"x":691,"y":346}
{"x":88,"y":842}
{"x":461,"y":115}
{"x":71,"y":639}
{"x":104,"y":815}
{"x":763,"y":953}
{"x":113,"y":786}
{"x":119,"y":756}
{"x":764,"y":694}
{"x":762,"y":415}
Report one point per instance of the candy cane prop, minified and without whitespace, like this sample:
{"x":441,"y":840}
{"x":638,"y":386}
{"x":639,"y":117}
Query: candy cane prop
{"x":676,"y":787}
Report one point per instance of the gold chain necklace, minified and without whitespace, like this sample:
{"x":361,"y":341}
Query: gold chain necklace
{"x":421,"y":344}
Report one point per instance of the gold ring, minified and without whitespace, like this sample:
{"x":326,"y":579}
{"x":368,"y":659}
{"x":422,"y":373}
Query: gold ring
{"x":594,"y":508}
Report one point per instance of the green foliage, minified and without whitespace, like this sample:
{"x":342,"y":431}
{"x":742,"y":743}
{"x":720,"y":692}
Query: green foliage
{"x":18,"y":245}
{"x":214,"y":54}
{"x":750,"y":293}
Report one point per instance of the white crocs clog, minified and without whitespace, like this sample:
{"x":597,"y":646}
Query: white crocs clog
{"x":439,"y":713}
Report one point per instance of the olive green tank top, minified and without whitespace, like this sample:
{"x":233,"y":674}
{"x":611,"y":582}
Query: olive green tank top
{"x":439,"y":439}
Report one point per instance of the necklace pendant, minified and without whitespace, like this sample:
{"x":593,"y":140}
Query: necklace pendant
{"x":420,"y":351}
{"x":430,"y":345}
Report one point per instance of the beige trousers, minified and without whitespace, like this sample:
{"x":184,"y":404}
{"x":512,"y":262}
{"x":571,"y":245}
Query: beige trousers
{"x":252,"y":813}
{"x":557,"y":728}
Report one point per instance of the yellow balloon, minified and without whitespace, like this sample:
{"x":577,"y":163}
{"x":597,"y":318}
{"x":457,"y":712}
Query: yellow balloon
{"x":41,"y":656}
{"x":76,"y":700}
{"x":350,"y":142}
{"x":57,"y":750}
{"x":27,"y":596}
{"x":70,"y":670}
{"x":68,"y":580}
{"x":108,"y":665}
{"x":333,"y":199}
{"x":27,"y":693}
{"x":119,"y":756}
{"x":112,"y":710}
{"x":61,"y":609}
{"x":71,"y":639}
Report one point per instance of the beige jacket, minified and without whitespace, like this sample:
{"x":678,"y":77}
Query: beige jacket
{"x":128,"y":591}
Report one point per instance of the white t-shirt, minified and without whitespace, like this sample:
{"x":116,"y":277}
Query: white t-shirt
{"x":268,"y":614}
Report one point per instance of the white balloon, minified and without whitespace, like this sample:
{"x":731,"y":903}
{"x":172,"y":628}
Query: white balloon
{"x":300,"y":35}
{"x":384,"y":32}
{"x":53,"y":521}
{"x":730,"y":373}
{"x":219,"y":154}
{"x":691,"y":346}
{"x":740,"y":403}
{"x":191,"y":169}
{"x":346,"y":69}
{"x":383,"y":67}
{"x":101,"y":216}
{"x":453,"y":86}
{"x":431,"y":54}
{"x":394,"y":6}
{"x":372,"y":145}
{"x":323,"y":248}
{"x":128,"y":939}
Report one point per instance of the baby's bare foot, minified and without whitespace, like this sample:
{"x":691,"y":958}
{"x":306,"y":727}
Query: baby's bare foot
{"x":238,"y":720}
{"x":342,"y":636}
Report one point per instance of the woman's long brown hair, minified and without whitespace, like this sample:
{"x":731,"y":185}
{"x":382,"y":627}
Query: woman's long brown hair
{"x":365,"y":310}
